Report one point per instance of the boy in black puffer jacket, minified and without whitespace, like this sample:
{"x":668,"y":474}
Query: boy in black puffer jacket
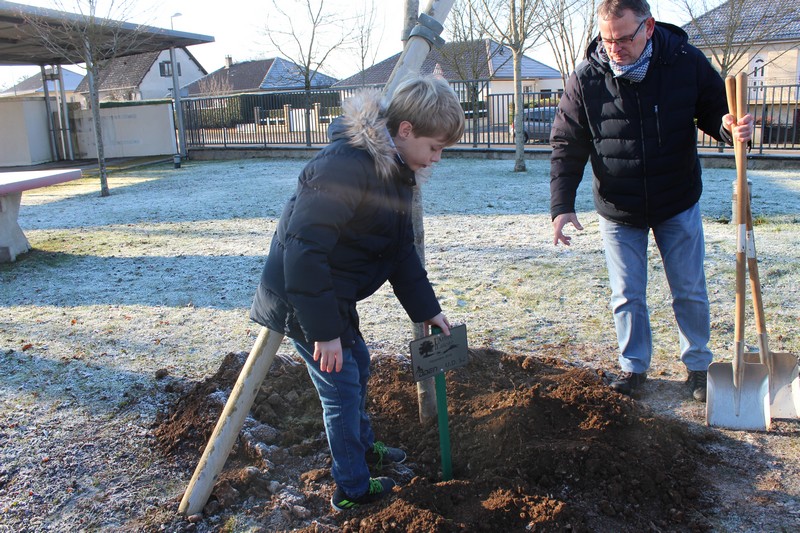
{"x":345,"y":232}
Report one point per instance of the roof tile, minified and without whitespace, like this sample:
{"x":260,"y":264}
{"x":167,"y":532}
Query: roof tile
{"x":783,"y":25}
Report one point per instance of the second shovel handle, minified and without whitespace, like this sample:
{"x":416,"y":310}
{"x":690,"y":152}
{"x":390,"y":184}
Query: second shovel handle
{"x":736,"y":90}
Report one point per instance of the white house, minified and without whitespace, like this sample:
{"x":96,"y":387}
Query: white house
{"x":145,"y":76}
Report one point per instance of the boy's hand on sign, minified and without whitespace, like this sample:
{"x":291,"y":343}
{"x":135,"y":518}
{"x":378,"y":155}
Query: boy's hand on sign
{"x":441,"y":321}
{"x":329,"y":355}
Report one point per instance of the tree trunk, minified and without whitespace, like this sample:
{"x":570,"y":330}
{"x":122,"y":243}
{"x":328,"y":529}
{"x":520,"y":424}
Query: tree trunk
{"x":414,"y":53}
{"x":307,"y":115}
{"x":519,"y":126}
{"x":411,"y":14}
{"x":94,"y":101}
{"x":475,"y":98}
{"x":426,"y":389}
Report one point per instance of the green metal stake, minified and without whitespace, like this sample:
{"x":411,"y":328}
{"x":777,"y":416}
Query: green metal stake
{"x":444,"y":430}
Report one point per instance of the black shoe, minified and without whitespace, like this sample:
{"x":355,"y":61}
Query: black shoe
{"x":378,"y":488}
{"x":697,"y":383}
{"x":381,"y":454}
{"x":627,"y":381}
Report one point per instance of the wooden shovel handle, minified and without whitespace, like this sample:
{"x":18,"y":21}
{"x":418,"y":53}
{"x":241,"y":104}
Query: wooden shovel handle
{"x":752,"y":269}
{"x":730,"y":92}
{"x":737,"y":102}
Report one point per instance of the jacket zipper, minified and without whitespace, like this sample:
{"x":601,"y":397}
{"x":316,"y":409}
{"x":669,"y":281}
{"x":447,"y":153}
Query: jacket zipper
{"x":658,"y":126}
{"x":644,"y":154}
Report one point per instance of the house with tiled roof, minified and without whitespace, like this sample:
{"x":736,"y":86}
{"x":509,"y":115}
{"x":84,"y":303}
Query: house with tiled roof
{"x":145,"y":76}
{"x":760,"y":37}
{"x":33,"y":86}
{"x":482,"y":59}
{"x":481,"y":72}
{"x":258,"y":75}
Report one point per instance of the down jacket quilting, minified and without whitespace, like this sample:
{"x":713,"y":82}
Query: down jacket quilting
{"x":641,"y":138}
{"x":346,"y":231}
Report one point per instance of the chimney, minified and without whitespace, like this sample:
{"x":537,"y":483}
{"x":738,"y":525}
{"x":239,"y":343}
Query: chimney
{"x":228,"y":61}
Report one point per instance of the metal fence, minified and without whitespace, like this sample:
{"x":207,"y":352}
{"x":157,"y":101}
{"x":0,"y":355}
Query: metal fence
{"x":777,"y":113}
{"x":300,"y":118}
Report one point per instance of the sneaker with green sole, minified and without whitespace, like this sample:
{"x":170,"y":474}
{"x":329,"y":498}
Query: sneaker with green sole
{"x":378,"y":488}
{"x":381,"y":454}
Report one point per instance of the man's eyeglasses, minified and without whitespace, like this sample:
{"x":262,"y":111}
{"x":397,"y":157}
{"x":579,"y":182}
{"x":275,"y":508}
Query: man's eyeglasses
{"x":621,"y":40}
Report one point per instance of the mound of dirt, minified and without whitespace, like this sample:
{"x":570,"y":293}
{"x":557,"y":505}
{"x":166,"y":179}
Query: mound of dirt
{"x":537,"y":445}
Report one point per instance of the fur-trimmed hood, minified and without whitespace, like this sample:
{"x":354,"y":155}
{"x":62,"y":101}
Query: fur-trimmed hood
{"x":363,"y":125}
{"x":343,"y":234}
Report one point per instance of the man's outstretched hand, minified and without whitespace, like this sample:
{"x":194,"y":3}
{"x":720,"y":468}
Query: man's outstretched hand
{"x":558,"y":226}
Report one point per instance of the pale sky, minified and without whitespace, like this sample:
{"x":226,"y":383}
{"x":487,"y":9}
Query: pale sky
{"x":239,"y":30}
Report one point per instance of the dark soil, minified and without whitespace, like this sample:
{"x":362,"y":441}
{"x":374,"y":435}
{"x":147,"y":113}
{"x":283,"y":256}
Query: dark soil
{"x":537,"y":445}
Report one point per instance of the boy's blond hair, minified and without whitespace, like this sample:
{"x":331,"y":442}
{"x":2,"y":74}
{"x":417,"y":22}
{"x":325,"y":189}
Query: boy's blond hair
{"x":430,"y":105}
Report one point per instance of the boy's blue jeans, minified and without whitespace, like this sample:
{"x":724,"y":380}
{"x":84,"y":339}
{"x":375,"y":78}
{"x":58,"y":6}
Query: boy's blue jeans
{"x":681,"y":244}
{"x":343,"y":396}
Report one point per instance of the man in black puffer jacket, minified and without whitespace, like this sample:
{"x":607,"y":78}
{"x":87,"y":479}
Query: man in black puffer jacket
{"x":632,"y":109}
{"x":345,"y":232}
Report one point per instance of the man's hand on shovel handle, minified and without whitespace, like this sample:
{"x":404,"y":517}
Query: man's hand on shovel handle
{"x":741,"y":132}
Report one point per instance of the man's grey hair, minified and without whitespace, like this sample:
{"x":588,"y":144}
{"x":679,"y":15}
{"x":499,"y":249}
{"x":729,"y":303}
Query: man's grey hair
{"x":616,"y":9}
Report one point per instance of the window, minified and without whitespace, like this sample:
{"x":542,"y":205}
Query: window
{"x":165,"y":69}
{"x":757,"y":75}
{"x":758,"y":67}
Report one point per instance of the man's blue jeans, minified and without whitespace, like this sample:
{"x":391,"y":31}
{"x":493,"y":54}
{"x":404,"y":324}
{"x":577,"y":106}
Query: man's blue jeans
{"x":343,"y":396}
{"x":682,"y":247}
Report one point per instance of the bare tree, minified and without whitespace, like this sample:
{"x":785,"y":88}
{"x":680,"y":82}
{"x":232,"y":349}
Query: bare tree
{"x":304,"y":32}
{"x":518,"y":24}
{"x":573,"y":24}
{"x":218,"y":85}
{"x":469,"y":56}
{"x":365,"y":39}
{"x":91,"y":39}
{"x":737,"y":29}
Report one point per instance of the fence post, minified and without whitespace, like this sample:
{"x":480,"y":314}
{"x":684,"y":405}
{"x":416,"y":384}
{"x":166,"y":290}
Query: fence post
{"x":287,"y":120}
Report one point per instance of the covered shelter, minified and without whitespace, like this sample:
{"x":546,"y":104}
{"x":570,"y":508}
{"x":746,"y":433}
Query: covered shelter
{"x":21,"y":43}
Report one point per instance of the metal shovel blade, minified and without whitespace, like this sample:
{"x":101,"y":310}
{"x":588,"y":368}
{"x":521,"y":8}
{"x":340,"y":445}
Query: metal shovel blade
{"x":784,"y":383}
{"x":745,"y":407}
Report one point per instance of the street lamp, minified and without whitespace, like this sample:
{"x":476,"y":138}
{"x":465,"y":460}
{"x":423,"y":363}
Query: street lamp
{"x":171,"y":25}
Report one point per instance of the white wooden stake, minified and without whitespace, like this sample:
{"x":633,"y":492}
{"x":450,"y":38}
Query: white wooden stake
{"x":230,"y":421}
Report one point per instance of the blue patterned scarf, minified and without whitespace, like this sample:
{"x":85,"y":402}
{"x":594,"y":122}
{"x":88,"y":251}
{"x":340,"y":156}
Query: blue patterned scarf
{"x":635,"y":71}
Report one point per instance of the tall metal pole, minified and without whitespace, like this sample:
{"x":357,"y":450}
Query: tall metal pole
{"x":176,"y":94}
{"x":176,"y":97}
{"x":65,"y":131}
{"x":48,"y":109}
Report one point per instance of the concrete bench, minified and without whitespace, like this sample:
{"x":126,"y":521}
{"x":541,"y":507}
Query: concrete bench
{"x":12,"y":241}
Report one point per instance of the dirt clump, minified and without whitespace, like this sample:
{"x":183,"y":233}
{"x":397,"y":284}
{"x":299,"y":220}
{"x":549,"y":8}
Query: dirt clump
{"x":537,"y":444}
